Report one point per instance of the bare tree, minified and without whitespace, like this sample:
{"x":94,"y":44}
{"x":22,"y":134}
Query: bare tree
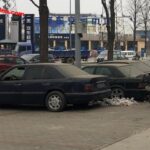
{"x":145,"y":16}
{"x":34,"y":3}
{"x":134,"y":12}
{"x":110,"y":17}
{"x":44,"y":14}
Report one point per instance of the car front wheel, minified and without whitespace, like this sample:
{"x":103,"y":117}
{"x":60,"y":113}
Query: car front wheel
{"x":55,"y":101}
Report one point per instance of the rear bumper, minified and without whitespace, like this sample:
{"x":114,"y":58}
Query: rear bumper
{"x":76,"y":98}
{"x":137,"y":94}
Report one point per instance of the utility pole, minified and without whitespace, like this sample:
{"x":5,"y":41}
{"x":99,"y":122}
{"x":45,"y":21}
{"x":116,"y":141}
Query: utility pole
{"x":70,"y":37}
{"x":77,"y":34}
{"x":44,"y":14}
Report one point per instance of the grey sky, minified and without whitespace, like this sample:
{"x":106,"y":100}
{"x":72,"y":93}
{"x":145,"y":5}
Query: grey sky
{"x":63,"y":6}
{"x":60,"y":6}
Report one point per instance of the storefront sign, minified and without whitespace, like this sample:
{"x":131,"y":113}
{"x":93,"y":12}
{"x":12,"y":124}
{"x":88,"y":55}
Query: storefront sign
{"x":29,"y":28}
{"x":5,"y":11}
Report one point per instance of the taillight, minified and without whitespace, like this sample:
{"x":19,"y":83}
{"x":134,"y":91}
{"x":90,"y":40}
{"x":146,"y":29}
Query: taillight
{"x":141,"y":85}
{"x":88,"y":88}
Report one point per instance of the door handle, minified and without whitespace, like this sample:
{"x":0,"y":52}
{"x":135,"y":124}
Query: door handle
{"x":18,"y":84}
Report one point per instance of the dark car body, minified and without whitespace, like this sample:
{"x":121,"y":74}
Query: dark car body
{"x":53,"y":85}
{"x":125,"y":80}
{"x":7,"y":61}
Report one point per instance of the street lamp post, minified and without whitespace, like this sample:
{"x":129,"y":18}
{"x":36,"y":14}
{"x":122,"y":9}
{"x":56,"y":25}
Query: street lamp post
{"x":70,"y":38}
{"x":77,"y":34}
{"x":44,"y":13}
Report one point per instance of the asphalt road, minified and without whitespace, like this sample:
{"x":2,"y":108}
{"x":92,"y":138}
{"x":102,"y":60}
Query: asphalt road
{"x":93,"y":128}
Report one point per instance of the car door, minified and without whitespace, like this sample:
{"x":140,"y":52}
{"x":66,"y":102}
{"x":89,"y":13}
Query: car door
{"x":115,"y":77}
{"x":10,"y":86}
{"x":33,"y":92}
{"x":38,"y":81}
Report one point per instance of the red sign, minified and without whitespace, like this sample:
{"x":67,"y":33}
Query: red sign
{"x":2,"y":10}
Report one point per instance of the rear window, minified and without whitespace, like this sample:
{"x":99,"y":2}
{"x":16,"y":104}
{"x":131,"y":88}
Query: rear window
{"x":130,"y":71}
{"x":142,"y":66}
{"x":52,"y":73}
{"x":70,"y":70}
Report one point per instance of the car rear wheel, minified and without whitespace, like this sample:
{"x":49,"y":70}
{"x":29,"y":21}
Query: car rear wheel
{"x":55,"y":101}
{"x":117,"y":92}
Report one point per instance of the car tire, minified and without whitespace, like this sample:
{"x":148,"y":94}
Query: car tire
{"x":55,"y":101}
{"x":117,"y":92}
{"x":70,"y":61}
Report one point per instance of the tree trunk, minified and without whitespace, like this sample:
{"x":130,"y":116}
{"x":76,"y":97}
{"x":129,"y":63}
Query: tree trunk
{"x":44,"y":14}
{"x":110,"y":27}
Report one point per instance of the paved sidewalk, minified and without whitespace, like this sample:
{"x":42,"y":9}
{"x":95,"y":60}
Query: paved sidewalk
{"x":139,"y":141}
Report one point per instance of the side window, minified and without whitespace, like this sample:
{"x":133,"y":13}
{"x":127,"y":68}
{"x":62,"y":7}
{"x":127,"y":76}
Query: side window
{"x":16,"y":73}
{"x":29,"y":48}
{"x":52,"y":73}
{"x":22,"y":49}
{"x":34,"y":72}
{"x":19,"y":61}
{"x":89,"y":70}
{"x":103,"y":71}
{"x":1,"y":60}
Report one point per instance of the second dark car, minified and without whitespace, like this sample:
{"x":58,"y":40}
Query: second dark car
{"x":125,"y":79}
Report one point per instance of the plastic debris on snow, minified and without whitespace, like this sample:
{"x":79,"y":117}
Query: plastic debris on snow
{"x":118,"y":101}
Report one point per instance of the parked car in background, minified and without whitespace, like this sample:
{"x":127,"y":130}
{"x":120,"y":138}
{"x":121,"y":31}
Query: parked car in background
{"x":129,"y":54}
{"x":125,"y":80}
{"x":22,"y":48}
{"x":143,"y":65}
{"x":52,"y":85}
{"x":117,"y":55}
{"x":35,"y":58}
{"x":7,"y":61}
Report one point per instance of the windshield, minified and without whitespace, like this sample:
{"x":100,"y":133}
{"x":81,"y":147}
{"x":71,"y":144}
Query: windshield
{"x":130,"y":71}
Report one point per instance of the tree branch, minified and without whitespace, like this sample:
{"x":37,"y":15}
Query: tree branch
{"x":32,"y":1}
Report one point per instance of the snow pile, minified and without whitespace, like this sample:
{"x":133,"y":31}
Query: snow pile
{"x":118,"y":101}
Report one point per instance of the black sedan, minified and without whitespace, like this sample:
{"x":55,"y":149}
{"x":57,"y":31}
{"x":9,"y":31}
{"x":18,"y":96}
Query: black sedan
{"x":125,"y":80}
{"x":52,"y":85}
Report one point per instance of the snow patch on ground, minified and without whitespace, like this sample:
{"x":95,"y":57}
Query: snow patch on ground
{"x":118,"y":101}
